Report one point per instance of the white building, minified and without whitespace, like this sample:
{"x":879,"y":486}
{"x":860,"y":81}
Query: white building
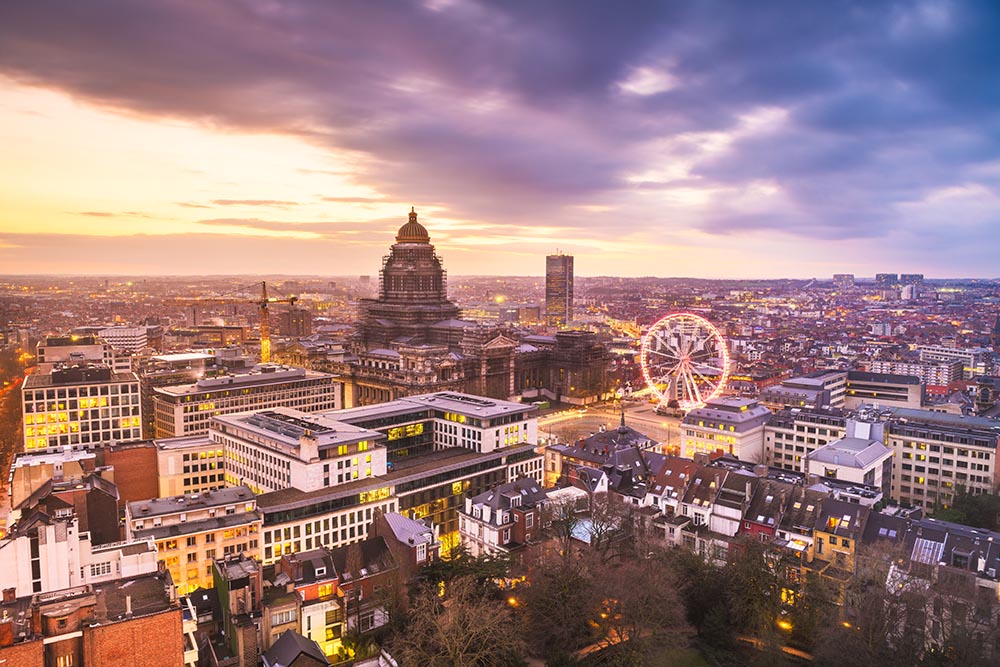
{"x":940,"y":373}
{"x":127,"y":339}
{"x":281,"y":448}
{"x":974,"y":359}
{"x":860,"y":460}
{"x":44,"y":554}
{"x":187,"y":409}
{"x":726,"y":425}
{"x":80,"y":406}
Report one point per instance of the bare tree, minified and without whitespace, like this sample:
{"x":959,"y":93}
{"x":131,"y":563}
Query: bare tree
{"x":464,"y":630}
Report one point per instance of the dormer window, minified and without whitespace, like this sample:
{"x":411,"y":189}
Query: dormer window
{"x":421,"y":552}
{"x":320,"y":571}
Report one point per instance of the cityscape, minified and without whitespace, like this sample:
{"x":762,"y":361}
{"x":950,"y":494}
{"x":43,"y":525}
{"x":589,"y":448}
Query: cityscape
{"x":475,"y":335}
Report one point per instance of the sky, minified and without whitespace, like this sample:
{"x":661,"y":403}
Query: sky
{"x":665,"y":138}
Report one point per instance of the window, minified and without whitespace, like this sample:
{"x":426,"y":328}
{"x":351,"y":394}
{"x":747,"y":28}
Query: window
{"x":282,"y":617}
{"x":192,"y":541}
{"x":100,"y":569}
{"x":324,"y":590}
{"x":421,"y":552}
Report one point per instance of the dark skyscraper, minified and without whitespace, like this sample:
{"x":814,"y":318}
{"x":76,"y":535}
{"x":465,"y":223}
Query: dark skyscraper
{"x":558,"y":290}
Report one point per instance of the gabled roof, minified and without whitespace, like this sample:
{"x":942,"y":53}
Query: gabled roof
{"x":704,"y":486}
{"x":672,"y":479}
{"x":768,"y":503}
{"x":289,"y":647}
{"x":408,"y":531}
{"x":842,"y":518}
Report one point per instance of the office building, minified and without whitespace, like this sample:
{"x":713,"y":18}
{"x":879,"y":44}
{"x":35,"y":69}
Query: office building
{"x":726,"y":425}
{"x":884,"y":390}
{"x":558,"y":290}
{"x":915,"y":279}
{"x":191,"y":531}
{"x":63,"y":351}
{"x":427,"y":453}
{"x":186,"y":409}
{"x":792,"y":434}
{"x":276,"y":449}
{"x":843,"y":281}
{"x":81,"y":407}
{"x":936,"y":454}
{"x":816,"y":390}
{"x":188,"y":464}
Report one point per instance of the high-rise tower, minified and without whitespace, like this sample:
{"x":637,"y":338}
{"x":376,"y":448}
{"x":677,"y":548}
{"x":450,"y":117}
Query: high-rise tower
{"x":558,"y":290}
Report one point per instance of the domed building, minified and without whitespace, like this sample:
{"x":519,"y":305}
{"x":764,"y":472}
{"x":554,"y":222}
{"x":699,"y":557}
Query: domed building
{"x":412,"y":341}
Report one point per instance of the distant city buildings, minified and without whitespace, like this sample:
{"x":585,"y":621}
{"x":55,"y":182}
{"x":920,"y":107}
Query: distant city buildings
{"x":843,"y":281}
{"x":558,"y":290}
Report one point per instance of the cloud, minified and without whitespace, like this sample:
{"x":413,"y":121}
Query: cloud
{"x":519,"y":113}
{"x":273,"y":203}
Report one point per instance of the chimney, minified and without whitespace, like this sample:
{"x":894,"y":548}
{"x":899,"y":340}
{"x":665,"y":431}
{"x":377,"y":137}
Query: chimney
{"x":9,"y":595}
{"x":761,"y":470}
{"x":128,"y":605}
{"x":702,"y":458}
{"x":6,"y":631}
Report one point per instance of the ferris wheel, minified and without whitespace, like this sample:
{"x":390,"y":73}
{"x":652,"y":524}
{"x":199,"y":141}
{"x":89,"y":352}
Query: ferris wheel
{"x":684,"y":359}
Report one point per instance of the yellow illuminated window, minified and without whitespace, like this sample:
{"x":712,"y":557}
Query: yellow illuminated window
{"x":325,"y":589}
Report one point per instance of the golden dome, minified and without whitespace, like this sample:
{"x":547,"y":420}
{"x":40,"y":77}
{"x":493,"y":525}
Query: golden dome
{"x":412,"y":231}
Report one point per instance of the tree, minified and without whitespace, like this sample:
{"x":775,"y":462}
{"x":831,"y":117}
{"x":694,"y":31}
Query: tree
{"x":639,"y":603}
{"x":466,"y":629}
{"x":755,"y":596}
{"x":487,"y":570}
{"x":557,"y":603}
{"x":884,"y":614}
{"x":703,"y":590}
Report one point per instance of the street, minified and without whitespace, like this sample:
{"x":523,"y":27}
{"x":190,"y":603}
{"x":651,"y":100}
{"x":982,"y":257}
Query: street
{"x":571,"y":424}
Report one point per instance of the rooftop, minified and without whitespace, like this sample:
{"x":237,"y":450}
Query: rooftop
{"x":288,"y":425}
{"x":206,"y":499}
{"x":857,"y":453}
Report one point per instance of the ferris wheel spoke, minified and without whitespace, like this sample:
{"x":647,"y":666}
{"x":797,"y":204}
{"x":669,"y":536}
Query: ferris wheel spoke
{"x":697,"y":390}
{"x":664,"y":354}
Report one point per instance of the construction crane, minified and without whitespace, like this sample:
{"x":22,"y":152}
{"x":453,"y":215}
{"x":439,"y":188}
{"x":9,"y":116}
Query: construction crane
{"x":265,"y":315}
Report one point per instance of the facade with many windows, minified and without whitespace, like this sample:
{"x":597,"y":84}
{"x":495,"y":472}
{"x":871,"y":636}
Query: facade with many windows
{"x":192,"y":531}
{"x":281,"y":448}
{"x":936,"y":454}
{"x":189,"y":464}
{"x":80,"y":407}
{"x":188,"y":409}
{"x":728,"y":426}
{"x":793,"y":434}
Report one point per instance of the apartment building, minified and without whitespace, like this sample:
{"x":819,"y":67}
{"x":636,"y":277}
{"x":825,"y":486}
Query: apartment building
{"x":974,"y":360}
{"x":861,"y":460}
{"x":502,"y":520}
{"x":939,"y":374}
{"x":188,"y":409}
{"x":191,"y":531}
